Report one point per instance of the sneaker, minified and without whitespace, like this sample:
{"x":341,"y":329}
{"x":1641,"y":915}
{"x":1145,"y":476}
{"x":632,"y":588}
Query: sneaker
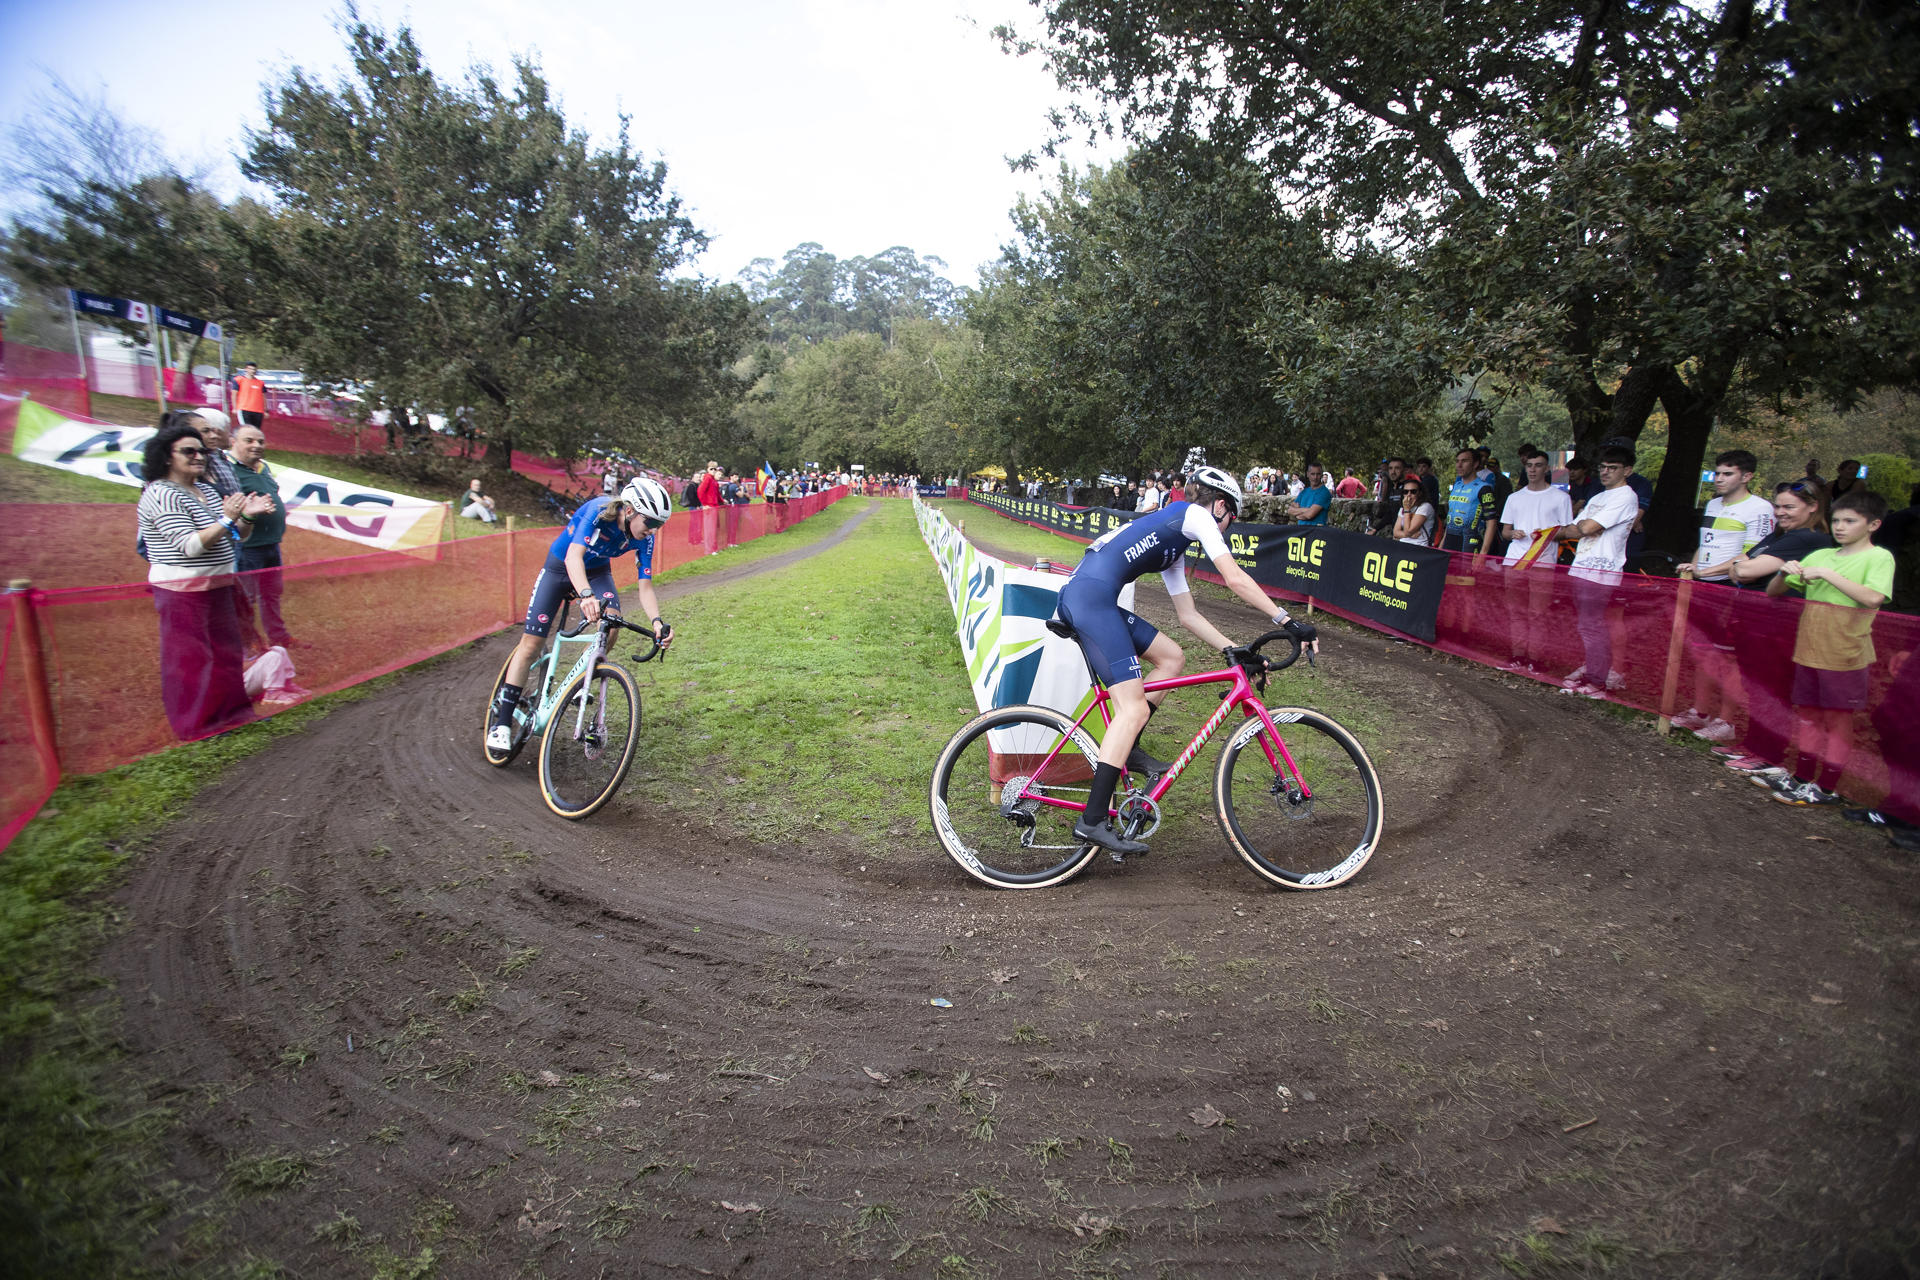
{"x":1729,"y":751}
{"x":1804,"y":793}
{"x":1690,"y":719}
{"x":500,"y":738}
{"x":1103,"y":834}
{"x":1749,"y":765}
{"x":1576,"y":676}
{"x":1716,"y":731}
{"x":1616,"y":681}
{"x":1875,"y":818}
{"x":1138,"y":761}
{"x":1908,"y":839}
{"x":1770,"y":778}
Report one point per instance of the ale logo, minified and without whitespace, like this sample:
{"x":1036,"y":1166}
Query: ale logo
{"x":1373,"y":567}
{"x":1308,"y":549}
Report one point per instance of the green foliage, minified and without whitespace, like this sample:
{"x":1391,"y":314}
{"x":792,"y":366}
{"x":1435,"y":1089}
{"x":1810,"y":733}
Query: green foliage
{"x":461,"y":244}
{"x":1680,"y":206}
{"x":1890,"y":477}
{"x":812,"y":296}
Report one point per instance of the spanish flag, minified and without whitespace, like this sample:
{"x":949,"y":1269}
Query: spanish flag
{"x":764,"y":476}
{"x":1542,"y":539}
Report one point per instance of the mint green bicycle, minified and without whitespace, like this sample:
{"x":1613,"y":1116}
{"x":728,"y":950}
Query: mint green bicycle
{"x":589,"y":718}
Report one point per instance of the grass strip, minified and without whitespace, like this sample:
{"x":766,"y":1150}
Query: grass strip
{"x":82,"y":1166}
{"x":793,"y":538}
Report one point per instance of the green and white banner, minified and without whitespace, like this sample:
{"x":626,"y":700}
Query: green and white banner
{"x":1001,"y":610}
{"x":323,"y":504}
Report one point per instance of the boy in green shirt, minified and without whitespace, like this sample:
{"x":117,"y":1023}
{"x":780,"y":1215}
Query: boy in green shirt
{"x":1834,"y":646}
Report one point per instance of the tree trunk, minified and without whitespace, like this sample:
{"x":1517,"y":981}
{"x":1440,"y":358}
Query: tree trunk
{"x":1672,"y":523}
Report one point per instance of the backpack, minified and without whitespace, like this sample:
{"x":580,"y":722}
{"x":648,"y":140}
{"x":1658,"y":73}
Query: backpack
{"x":690,"y":496}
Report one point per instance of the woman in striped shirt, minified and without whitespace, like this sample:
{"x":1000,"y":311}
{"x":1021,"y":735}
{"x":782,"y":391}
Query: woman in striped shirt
{"x":190,"y":534}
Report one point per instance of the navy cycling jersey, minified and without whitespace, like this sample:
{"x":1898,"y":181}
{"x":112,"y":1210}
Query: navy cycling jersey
{"x":1154,"y":543}
{"x":603,"y":541}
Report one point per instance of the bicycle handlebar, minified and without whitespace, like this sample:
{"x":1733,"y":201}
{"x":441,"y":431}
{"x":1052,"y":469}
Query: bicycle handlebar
{"x":1299,"y":634}
{"x":655,"y":649}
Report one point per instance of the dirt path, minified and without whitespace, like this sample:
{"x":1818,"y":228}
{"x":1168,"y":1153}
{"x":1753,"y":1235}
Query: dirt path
{"x":1590,"y":1006}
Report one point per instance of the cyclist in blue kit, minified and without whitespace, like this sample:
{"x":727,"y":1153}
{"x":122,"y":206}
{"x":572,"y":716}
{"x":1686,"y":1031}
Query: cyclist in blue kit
{"x":1114,"y":639}
{"x":580,"y":564}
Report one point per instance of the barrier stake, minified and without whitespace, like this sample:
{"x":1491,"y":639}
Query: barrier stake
{"x":26,"y":625}
{"x":1676,"y":643}
{"x":512,"y":593}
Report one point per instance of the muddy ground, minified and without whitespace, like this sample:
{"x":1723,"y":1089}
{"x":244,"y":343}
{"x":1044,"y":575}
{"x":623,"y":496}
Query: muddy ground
{"x":1595,"y":1006}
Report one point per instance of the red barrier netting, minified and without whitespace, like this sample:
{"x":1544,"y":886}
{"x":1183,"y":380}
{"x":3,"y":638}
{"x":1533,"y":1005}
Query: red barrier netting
{"x":351,"y":618}
{"x":1670,"y":646}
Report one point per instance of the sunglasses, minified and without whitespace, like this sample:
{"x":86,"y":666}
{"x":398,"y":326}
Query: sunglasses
{"x":1412,"y":491}
{"x":1804,"y":486}
{"x":188,"y":451}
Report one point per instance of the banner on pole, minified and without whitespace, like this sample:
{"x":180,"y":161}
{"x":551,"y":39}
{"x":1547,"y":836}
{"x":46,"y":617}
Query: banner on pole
{"x":1001,"y":611}
{"x":323,"y":504}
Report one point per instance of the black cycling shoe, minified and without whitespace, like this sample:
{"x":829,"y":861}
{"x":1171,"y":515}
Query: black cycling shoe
{"x":1103,"y":834}
{"x":1138,"y":761}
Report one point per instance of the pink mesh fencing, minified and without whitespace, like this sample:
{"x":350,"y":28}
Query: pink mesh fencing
{"x":351,"y":617}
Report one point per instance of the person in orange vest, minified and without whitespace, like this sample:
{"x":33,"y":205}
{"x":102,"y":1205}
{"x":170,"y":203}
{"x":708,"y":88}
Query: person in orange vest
{"x":250,"y":396}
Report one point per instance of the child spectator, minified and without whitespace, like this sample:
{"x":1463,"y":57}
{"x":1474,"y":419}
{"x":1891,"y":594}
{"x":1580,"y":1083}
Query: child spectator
{"x":1845,"y":588}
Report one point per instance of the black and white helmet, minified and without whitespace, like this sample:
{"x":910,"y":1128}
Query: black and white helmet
{"x":648,"y":498}
{"x":1215,"y":478}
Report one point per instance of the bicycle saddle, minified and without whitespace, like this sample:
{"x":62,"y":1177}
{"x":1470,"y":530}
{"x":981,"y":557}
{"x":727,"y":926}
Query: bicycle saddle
{"x":1061,"y":629}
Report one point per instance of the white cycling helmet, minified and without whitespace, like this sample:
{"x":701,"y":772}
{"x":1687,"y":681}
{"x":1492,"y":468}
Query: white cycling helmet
{"x":1215,"y":478}
{"x":648,"y":498}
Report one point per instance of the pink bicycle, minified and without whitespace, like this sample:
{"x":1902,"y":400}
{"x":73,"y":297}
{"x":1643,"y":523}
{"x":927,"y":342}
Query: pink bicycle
{"x":1304,"y":814}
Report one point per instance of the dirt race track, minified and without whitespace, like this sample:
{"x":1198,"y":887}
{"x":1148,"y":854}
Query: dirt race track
{"x":1597,"y":1006}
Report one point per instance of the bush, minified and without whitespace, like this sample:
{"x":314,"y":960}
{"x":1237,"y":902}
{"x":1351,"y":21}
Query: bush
{"x":1891,"y":477}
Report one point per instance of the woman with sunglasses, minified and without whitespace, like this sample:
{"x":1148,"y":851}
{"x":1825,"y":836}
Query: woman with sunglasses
{"x":1414,"y":523}
{"x":580,"y":566}
{"x":190,"y":533}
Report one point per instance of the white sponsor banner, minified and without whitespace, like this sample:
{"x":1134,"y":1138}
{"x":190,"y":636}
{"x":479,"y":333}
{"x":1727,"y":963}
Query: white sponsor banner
{"x":322,"y":504}
{"x":1002,"y":611}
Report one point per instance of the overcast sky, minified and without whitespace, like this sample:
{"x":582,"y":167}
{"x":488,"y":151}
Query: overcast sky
{"x":860,"y":124}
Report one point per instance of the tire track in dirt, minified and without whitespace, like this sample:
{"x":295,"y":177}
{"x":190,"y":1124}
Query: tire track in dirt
{"x":584,"y":1038}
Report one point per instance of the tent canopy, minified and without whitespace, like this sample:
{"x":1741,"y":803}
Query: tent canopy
{"x":992,"y":472}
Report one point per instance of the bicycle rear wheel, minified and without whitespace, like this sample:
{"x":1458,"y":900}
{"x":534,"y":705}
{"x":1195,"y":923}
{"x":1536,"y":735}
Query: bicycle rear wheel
{"x":590,"y":741}
{"x":988,"y":793}
{"x":1291,"y":839}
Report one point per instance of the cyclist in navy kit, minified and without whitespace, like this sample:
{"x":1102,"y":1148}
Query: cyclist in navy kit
{"x":1114,"y":639}
{"x":580,"y":564}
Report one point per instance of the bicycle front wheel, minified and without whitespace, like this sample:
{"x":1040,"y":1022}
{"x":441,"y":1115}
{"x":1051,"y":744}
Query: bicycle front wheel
{"x":1314,"y":836}
{"x":991,"y":791}
{"x":522,"y":714}
{"x":590,"y":741}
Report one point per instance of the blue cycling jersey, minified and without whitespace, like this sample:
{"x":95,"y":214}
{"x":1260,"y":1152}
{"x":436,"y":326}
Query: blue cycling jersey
{"x":1154,"y":543}
{"x":604,"y":541}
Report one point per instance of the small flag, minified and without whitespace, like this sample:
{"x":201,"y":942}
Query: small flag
{"x":1541,"y":541}
{"x":765,"y":477}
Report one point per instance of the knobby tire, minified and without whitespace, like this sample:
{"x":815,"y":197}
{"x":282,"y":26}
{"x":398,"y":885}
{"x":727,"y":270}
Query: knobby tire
{"x":967,"y":794}
{"x":1288,"y":840}
{"x":574,"y":781}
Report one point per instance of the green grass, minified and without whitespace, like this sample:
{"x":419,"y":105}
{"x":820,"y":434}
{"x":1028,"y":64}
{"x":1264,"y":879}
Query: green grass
{"x":817,"y":700}
{"x":22,"y":481}
{"x":987,"y":525}
{"x":805,"y":534}
{"x":80,"y":1146}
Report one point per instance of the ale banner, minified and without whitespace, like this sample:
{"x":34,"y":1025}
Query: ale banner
{"x":1394,"y":584}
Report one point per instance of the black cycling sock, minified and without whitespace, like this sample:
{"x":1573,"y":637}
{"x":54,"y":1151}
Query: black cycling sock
{"x":1100,"y":796}
{"x":504,"y":703}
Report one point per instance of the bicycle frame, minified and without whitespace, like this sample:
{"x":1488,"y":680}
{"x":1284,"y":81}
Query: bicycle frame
{"x":596,"y":644}
{"x":1242,"y":695}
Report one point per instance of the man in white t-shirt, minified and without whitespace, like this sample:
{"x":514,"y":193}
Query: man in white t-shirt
{"x":1528,"y":521}
{"x":1734,"y":522}
{"x":1602,"y":528}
